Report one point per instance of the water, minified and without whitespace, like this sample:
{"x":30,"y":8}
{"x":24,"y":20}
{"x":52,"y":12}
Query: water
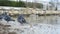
{"x":37,"y":25}
{"x":54,"y":20}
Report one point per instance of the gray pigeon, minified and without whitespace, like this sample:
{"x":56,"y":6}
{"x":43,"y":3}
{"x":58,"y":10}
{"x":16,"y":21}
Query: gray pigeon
{"x":21,"y":19}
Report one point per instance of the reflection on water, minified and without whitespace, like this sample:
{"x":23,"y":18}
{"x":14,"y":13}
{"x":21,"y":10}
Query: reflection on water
{"x":43,"y":19}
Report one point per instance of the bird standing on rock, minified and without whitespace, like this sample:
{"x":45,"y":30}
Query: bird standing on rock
{"x":7,"y":17}
{"x":21,"y":19}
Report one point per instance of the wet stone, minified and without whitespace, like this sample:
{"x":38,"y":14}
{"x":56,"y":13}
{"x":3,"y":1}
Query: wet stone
{"x":12,"y":33}
{"x":1,"y":33}
{"x":7,"y":25}
{"x":1,"y":24}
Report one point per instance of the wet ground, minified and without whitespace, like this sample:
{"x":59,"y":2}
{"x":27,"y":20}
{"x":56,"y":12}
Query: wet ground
{"x":37,"y":25}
